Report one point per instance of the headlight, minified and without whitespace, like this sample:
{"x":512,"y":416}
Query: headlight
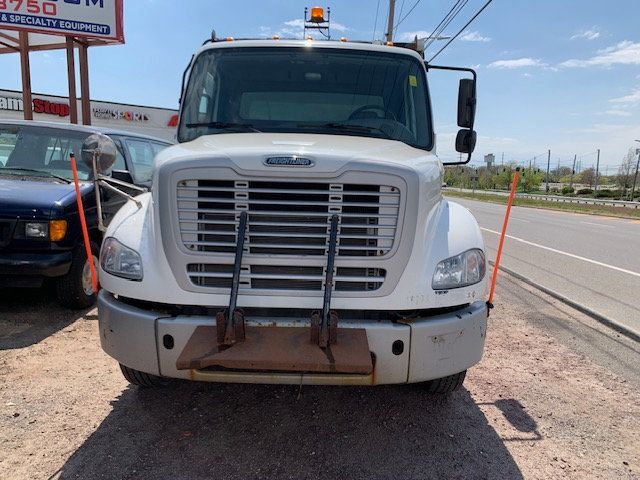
{"x":459,"y":271}
{"x":36,"y":230}
{"x":119,"y":260}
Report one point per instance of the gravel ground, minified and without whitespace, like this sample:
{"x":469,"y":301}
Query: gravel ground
{"x":556,"y":396}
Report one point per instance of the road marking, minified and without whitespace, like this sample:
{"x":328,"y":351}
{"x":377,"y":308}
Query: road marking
{"x":578,"y":257}
{"x":521,"y":220}
{"x":597,"y":224}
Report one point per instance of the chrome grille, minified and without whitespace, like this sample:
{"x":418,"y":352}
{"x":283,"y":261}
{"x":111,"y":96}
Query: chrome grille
{"x":287,"y":218}
{"x":274,"y":277}
{"x":6,"y":230}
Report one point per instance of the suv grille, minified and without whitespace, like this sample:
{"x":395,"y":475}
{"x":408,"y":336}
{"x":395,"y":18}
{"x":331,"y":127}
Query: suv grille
{"x":6,"y":230}
{"x":287,"y":218}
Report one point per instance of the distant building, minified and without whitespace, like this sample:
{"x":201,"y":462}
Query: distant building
{"x":158,"y":122}
{"x":489,"y":159}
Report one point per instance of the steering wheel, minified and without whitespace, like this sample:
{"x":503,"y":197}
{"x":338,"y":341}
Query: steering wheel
{"x":385,"y":113}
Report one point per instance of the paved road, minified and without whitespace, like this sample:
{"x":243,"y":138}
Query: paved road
{"x":592,"y":260}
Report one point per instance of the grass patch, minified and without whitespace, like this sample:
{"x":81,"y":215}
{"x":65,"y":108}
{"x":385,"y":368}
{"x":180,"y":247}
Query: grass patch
{"x":605,"y":210}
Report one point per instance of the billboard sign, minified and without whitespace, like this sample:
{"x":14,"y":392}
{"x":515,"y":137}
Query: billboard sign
{"x":101,"y":19}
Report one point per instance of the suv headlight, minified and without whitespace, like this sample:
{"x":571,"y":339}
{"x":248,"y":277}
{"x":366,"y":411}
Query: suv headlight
{"x":459,"y":271}
{"x":119,"y":260}
{"x":36,"y":230}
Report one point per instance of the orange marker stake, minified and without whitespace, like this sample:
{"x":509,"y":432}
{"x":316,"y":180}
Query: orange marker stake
{"x":83,"y":224}
{"x":512,"y":195}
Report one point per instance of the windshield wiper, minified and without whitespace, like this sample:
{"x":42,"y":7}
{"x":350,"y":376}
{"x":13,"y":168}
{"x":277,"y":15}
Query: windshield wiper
{"x":346,"y":127}
{"x":225,"y":125}
{"x":33,"y":170}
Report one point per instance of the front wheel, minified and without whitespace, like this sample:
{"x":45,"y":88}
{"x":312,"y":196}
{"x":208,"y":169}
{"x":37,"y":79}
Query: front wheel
{"x":75,"y":290}
{"x":446,"y":384}
{"x":142,"y":379}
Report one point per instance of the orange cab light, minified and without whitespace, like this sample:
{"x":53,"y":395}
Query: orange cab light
{"x":317,"y":14}
{"x":344,"y":39}
{"x":389,"y":44}
{"x":276,"y":37}
{"x":309,"y":37}
{"x":57,"y":230}
{"x":229,"y":39}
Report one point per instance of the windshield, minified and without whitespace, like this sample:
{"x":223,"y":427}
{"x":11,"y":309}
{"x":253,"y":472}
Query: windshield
{"x":307,"y":90}
{"x":40,"y":151}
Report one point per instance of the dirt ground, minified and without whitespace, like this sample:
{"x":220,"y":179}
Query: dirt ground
{"x":556,"y":396}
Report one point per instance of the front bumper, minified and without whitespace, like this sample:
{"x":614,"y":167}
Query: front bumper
{"x":434,"y":346}
{"x":35,"y":264}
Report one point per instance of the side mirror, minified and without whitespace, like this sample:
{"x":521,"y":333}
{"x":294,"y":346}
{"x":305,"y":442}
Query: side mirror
{"x":101,"y":148}
{"x":465,"y":141}
{"x":466,"y":103}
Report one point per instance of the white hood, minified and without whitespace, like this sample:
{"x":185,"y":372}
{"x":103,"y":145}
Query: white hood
{"x":329,"y":152}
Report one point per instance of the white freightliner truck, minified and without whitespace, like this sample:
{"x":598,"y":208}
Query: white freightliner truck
{"x":297,"y":233}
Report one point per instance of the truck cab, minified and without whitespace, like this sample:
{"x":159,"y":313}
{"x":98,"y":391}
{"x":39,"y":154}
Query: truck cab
{"x":297,"y":233}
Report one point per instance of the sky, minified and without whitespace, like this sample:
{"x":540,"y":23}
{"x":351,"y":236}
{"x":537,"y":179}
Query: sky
{"x":559,"y":75}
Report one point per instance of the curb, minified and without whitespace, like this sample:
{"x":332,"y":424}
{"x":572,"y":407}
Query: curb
{"x":606,"y":321}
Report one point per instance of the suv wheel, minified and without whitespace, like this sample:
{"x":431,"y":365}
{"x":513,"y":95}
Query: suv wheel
{"x":75,"y":290}
{"x":446,"y":384}
{"x":141,"y":379}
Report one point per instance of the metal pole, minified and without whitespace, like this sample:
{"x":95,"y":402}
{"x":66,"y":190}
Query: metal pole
{"x":635,"y":177}
{"x":71,"y":76}
{"x":26,"y":75}
{"x":548,"y":165}
{"x":505,"y":224}
{"x":392,"y":8}
{"x":595,"y":188}
{"x":573,"y":171}
{"x":84,"y":84}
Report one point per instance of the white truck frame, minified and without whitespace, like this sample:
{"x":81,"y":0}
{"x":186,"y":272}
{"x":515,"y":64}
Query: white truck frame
{"x":414,"y":332}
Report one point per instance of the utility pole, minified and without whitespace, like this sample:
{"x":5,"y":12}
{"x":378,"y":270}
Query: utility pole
{"x":635,"y":178}
{"x":595,"y":189}
{"x":392,"y":8}
{"x":573,"y":171}
{"x":548,"y":165}
{"x":502,"y":161}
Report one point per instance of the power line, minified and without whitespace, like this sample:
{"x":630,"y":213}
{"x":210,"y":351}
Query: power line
{"x":400,"y":14}
{"x":375,"y":23}
{"x":446,"y":20}
{"x":406,"y":14}
{"x":461,"y":30}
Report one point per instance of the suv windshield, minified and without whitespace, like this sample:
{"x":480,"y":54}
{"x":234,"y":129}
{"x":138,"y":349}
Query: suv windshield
{"x":40,"y":151}
{"x":307,"y":90}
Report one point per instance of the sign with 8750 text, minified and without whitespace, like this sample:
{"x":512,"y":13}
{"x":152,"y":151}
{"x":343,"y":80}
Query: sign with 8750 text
{"x":78,"y":18}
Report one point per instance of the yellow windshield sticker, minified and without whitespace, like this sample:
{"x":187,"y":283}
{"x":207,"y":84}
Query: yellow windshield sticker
{"x":413,"y":80}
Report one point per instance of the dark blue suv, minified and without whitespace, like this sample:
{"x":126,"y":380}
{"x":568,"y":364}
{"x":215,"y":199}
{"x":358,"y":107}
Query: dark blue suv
{"x":40,"y":233}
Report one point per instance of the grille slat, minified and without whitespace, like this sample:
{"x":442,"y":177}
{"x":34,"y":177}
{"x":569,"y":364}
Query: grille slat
{"x":281,"y":278}
{"x":287,"y":219}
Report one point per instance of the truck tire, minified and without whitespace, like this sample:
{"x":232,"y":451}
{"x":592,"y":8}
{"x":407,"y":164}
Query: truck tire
{"x":141,"y":379}
{"x":74,"y":290}
{"x":446,"y":384}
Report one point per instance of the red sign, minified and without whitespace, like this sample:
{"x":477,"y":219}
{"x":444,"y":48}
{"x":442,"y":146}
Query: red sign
{"x":50,"y":108}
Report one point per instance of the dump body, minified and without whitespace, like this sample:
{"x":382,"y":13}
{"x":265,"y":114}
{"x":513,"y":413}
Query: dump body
{"x":292,"y":151}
